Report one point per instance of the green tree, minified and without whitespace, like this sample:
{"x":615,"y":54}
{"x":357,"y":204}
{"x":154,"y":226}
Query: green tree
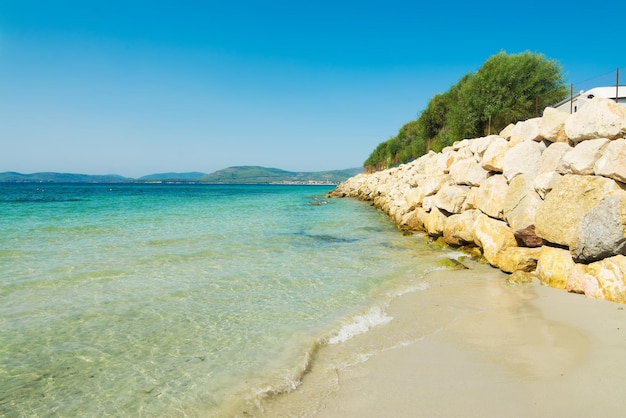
{"x":510,"y":88}
{"x":506,"y":89}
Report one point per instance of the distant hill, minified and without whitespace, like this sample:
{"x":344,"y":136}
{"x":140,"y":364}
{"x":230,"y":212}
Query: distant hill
{"x":192,"y":176}
{"x":259,"y":175}
{"x":12,"y":177}
{"x":231,"y":175}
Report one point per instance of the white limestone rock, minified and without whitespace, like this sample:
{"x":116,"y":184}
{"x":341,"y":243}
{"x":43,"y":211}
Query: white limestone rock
{"x":489,"y":196}
{"x":599,"y":118}
{"x":494,"y":155}
{"x":468,"y":172}
{"x":612,"y":164}
{"x":523,"y":158}
{"x":551,"y":157}
{"x":552,"y":127}
{"x":582,"y":158}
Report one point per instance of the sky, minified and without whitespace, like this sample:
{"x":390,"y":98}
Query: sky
{"x":138,"y":87}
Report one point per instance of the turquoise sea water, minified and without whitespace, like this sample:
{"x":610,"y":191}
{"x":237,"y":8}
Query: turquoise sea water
{"x":183,"y":300}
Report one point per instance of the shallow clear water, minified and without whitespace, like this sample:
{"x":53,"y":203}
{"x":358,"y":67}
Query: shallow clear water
{"x":170,"y":300}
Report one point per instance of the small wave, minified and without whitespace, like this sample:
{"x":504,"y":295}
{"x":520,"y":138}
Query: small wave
{"x":420,"y":287}
{"x":360,"y":325}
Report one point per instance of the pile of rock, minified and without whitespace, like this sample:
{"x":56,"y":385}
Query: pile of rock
{"x":544,"y":198}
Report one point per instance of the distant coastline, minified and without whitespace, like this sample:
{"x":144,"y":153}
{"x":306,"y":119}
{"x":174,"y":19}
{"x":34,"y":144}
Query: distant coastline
{"x":231,"y":175}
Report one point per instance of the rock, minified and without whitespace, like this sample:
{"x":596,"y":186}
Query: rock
{"x":612,"y":164}
{"x":493,"y":236}
{"x":451,"y":197}
{"x":461,"y":144}
{"x":413,"y":220}
{"x":428,"y":203}
{"x":602,"y":230}
{"x":551,"y":157}
{"x":554,"y":266}
{"x":523,"y":158}
{"x":479,"y":146}
{"x":528,"y":237}
{"x":490,"y":195}
{"x":552,"y":125}
{"x":458,"y":229}
{"x":468,"y":172}
{"x":599,"y":118}
{"x":494,"y":155}
{"x":434,"y":222}
{"x":582,"y":158}
{"x":506,"y":132}
{"x":520,"y":277}
{"x":430,"y":186}
{"x":611,"y":276}
{"x":527,"y":130}
{"x":470,"y":200}
{"x":446,"y":159}
{"x":520,"y":206}
{"x":411,"y":198}
{"x":580,"y":281}
{"x":544,"y":183}
{"x":558,"y":217}
{"x":518,"y":258}
{"x":452,"y":264}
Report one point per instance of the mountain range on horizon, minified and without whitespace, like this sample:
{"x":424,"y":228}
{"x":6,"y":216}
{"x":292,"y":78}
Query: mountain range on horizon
{"x":230,"y":175}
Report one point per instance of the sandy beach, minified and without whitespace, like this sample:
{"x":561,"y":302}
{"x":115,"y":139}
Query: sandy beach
{"x":472,"y":345}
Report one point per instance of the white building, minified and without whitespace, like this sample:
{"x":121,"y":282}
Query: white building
{"x":571,"y":105}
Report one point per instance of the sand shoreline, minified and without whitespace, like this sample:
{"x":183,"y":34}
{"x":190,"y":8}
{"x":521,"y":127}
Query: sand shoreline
{"x":472,"y":345}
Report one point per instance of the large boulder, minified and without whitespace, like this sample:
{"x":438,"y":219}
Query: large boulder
{"x":611,"y":276}
{"x":599,"y":118}
{"x":544,"y":183}
{"x":558,"y":217}
{"x":479,"y":146}
{"x":552,"y":125}
{"x":581,"y":281}
{"x":434,"y":222}
{"x":523,"y":158}
{"x":489,"y":196}
{"x":493,"y":237}
{"x":551,"y":157}
{"x":604,"y":279}
{"x":612,"y":164}
{"x":602,"y":230}
{"x":582,"y":158}
{"x":493,"y":156}
{"x":514,"y":259}
{"x":459,"y":228}
{"x":520,"y":206}
{"x":554,"y":266}
{"x":527,"y":130}
{"x":451,"y":197}
{"x":430,"y":186}
{"x":468,"y":172}
{"x":412,"y":220}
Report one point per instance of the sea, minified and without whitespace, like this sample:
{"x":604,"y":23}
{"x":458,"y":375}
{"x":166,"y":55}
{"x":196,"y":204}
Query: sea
{"x":170,"y":300}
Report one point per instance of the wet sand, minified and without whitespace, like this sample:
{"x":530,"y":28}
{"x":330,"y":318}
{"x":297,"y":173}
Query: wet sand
{"x":471,"y":345}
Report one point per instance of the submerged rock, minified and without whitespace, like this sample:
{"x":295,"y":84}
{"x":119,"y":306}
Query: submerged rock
{"x":452,"y":264}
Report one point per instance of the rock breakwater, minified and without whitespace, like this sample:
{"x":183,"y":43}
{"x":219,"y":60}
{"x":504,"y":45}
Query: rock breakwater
{"x":545,"y":198}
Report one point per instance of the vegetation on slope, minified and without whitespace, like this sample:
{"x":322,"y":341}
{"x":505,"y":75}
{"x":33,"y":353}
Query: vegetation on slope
{"x":254,"y":174}
{"x":506,"y":89}
{"x":47,"y":177}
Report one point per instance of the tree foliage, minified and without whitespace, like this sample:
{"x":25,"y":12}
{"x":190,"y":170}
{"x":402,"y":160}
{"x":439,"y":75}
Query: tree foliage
{"x":506,"y":89}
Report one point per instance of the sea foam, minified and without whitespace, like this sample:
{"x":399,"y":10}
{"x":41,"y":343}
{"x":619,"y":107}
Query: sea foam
{"x":360,"y":324}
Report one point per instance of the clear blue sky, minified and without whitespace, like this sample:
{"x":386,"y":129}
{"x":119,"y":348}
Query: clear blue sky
{"x":138,"y":87}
